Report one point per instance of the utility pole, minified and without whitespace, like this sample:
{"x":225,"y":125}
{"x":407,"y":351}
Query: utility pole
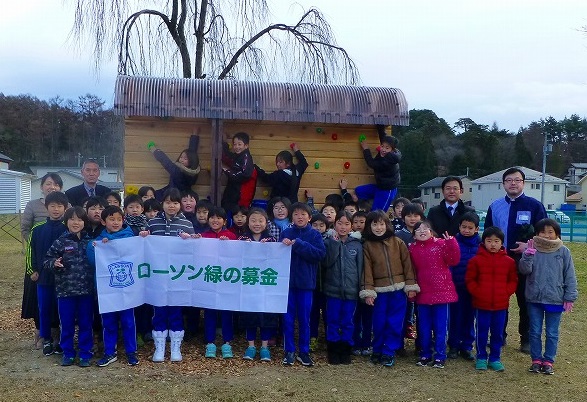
{"x":546,"y":149}
{"x":104,"y":159}
{"x":79,"y":158}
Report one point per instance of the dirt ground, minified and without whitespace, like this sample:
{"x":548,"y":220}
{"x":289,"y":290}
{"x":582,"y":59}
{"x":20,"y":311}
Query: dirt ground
{"x":27,"y":375}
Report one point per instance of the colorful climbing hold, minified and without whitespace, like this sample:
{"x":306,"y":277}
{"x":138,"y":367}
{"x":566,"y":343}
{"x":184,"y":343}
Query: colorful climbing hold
{"x":362,"y":138}
{"x":317,"y":165}
{"x":334,"y":136}
{"x":347,"y":165}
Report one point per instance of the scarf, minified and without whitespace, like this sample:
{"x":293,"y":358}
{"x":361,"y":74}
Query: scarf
{"x":136,"y":221}
{"x":547,"y":246}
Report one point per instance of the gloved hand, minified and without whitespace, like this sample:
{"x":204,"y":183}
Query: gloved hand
{"x":568,"y":306}
{"x":150,"y":145}
{"x":530,"y":250}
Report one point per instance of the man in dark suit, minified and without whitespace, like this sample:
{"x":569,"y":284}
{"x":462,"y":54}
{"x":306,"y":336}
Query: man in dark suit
{"x":445,"y":216}
{"x":89,"y":188}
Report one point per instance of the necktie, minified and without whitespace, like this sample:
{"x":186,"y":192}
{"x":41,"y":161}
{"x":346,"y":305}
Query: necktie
{"x":450,"y":210}
{"x":92,"y":192}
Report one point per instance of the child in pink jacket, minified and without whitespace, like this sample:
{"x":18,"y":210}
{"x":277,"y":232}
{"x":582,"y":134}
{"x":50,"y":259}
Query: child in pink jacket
{"x":431,"y":258}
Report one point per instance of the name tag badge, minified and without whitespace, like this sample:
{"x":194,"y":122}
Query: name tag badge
{"x":523,"y":217}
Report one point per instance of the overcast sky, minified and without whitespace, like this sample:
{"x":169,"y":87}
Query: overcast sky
{"x":511,"y":62}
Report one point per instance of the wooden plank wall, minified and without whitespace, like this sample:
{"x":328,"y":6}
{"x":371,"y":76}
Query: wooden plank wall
{"x":331,"y":146}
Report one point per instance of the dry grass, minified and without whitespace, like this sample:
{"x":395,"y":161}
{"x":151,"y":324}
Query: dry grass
{"x":27,"y":375}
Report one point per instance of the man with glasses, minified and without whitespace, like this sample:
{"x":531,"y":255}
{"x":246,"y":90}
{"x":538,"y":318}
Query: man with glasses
{"x":516,"y":214}
{"x":445,"y":217}
{"x":89,"y":188}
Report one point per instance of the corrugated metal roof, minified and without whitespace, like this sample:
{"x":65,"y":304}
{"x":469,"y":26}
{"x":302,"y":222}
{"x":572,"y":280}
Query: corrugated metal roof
{"x":223,"y":99}
{"x":531,"y":175}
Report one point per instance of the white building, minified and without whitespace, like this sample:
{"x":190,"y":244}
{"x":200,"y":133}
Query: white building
{"x":15,"y":188}
{"x":431,"y":191}
{"x":488,"y":188}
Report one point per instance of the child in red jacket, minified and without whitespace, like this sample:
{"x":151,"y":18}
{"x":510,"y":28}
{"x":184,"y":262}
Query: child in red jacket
{"x":491,"y":279}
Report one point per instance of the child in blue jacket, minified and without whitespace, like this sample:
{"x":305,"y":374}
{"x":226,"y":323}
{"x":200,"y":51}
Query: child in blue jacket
{"x":115,"y":228}
{"x":307,"y":251}
{"x":461,"y":332}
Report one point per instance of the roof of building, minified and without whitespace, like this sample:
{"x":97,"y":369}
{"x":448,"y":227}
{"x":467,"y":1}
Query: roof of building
{"x":577,"y":197}
{"x":579,"y":165}
{"x":14,"y":173}
{"x":5,"y":158}
{"x":437,"y":181}
{"x":271,"y":101}
{"x":531,"y":175}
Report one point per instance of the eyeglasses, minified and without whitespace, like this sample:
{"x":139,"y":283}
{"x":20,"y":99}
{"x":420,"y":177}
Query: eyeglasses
{"x":279,"y":207}
{"x":510,"y":181}
{"x":422,"y":229}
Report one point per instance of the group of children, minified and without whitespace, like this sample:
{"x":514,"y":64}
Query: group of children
{"x":366,"y":275}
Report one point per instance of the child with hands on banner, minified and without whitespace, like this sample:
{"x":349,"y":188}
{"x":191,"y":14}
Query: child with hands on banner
{"x":388,"y":276}
{"x":115,"y":228}
{"x":551,"y":289}
{"x":266,"y":322}
{"x":217,"y":221}
{"x":168,"y":320}
{"x":307,"y":251}
{"x":74,"y":286}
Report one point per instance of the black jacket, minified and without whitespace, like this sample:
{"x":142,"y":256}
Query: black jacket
{"x":76,"y":195}
{"x":386,"y":169}
{"x":442,"y":221}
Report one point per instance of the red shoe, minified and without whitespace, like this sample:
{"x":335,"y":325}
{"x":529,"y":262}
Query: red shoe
{"x":410,"y":332}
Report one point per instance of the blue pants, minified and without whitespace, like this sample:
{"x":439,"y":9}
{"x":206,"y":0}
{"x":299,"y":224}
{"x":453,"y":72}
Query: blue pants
{"x":382,"y":199}
{"x":299,"y":304}
{"x":388,"y":318}
{"x":318,"y":306}
{"x":487,"y":321}
{"x":266,"y":333}
{"x":167,"y":317}
{"x":110,"y":321}
{"x":551,"y":321}
{"x":340,"y":320}
{"x":210,"y":321}
{"x":461,"y":333}
{"x":47,"y":306}
{"x":433,"y":318}
{"x":71,"y":310}
{"x":363,"y":326}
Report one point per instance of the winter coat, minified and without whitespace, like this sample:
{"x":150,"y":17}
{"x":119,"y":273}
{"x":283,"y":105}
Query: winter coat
{"x":387,"y":267}
{"x":551,"y":277}
{"x":34,"y":212}
{"x":442,"y":221}
{"x":210,"y":234}
{"x":78,"y":194}
{"x":306,"y":253}
{"x":161,"y":225}
{"x":286,"y":182}
{"x":385,"y":168}
{"x":468,"y":245}
{"x":406,"y":236}
{"x":42,"y":237}
{"x":431,"y":260}
{"x":76,"y":278}
{"x":491,"y":279}
{"x":123,"y":233}
{"x":240,"y":170}
{"x":343,"y":265}
{"x":180,"y":176}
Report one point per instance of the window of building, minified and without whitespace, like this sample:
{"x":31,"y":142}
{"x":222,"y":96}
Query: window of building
{"x":557,"y":187}
{"x":437,"y":196}
{"x":426,"y":191}
{"x":479,"y":187}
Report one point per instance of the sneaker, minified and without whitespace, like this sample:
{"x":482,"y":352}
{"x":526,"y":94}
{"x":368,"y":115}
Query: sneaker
{"x":375,"y":358}
{"x":481,"y":364}
{"x":106,"y":360}
{"x":226,"y":350}
{"x":367,"y":351}
{"x":67,"y":361}
{"x":84,"y":363}
{"x":424,"y":361}
{"x":547,"y":368}
{"x":387,"y":361}
{"x":439,"y":364}
{"x":48,"y":348}
{"x":525,"y":348}
{"x":452,"y":353}
{"x":536,"y":367}
{"x":57,"y":349}
{"x":250,"y":353}
{"x":496,"y":366}
{"x":305,"y":359}
{"x":467,"y":355}
{"x":288,"y":359}
{"x":132,"y":359}
{"x":210,"y":351}
{"x":313,"y":344}
{"x":265,"y":354}
{"x":357,"y":352}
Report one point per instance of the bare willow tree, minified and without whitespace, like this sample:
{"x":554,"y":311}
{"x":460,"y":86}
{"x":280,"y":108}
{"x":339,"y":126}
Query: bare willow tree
{"x":212,"y":38}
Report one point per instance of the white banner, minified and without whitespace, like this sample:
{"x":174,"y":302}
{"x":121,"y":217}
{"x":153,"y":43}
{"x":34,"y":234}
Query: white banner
{"x":208,"y":273}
